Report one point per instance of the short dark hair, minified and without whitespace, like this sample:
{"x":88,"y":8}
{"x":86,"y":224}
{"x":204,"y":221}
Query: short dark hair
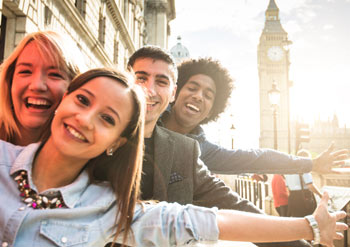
{"x":156,"y":53}
{"x":220,"y":75}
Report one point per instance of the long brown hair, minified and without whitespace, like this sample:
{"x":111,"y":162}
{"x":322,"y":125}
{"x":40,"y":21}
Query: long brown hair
{"x":52,"y":46}
{"x":123,"y":168}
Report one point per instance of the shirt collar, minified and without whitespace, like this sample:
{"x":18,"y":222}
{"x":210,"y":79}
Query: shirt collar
{"x":70,"y":193}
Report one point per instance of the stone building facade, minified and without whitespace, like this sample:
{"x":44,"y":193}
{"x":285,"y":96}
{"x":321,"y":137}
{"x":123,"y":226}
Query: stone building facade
{"x":106,"y":31}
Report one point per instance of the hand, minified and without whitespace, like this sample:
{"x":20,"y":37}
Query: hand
{"x":325,"y":161}
{"x":327,"y":222}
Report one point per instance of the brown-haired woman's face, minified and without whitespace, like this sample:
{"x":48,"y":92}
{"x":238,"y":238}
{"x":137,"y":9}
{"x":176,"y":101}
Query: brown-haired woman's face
{"x":91,"y":119}
{"x":37,"y":88}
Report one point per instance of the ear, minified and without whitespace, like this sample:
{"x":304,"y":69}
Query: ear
{"x":118,"y":143}
{"x":172,"y":99}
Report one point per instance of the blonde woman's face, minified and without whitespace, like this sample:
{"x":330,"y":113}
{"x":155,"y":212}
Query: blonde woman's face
{"x":37,"y":88}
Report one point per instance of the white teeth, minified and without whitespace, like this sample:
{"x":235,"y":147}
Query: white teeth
{"x":75,"y":133}
{"x":151,"y":103}
{"x":38,"y":101}
{"x":192,"y":107}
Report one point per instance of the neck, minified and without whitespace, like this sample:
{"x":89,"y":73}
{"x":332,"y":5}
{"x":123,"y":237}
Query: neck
{"x":27,"y":137}
{"x":149,"y":127}
{"x":51,"y":169}
{"x":171,"y":123}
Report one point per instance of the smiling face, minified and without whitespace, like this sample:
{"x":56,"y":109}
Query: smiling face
{"x":194,"y":102}
{"x":156,"y":77}
{"x":91,"y":119}
{"x":37,"y":88}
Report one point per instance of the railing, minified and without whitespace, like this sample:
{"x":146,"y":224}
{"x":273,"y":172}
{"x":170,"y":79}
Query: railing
{"x":252,"y":190}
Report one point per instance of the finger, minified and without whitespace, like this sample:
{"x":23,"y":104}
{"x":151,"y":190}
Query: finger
{"x":339,"y":163}
{"x":340,"y":152}
{"x":335,"y":171}
{"x":340,"y":156}
{"x":338,"y":236}
{"x":339,"y":215}
{"x":340,"y":226}
{"x":325,"y":198}
{"x":330,"y":148}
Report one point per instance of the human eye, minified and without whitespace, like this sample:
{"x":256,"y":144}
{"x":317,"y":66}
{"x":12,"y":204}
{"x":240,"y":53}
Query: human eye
{"x":141,"y":79}
{"x":209,"y":96}
{"x":57,"y":75}
{"x":24,"y":72}
{"x":163,"y":83}
{"x":109,"y":119}
{"x":82,"y":99}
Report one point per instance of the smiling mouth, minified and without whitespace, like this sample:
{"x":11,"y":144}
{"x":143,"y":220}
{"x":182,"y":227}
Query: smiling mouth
{"x":192,"y":107}
{"x":38,"y":103}
{"x":75,"y":133}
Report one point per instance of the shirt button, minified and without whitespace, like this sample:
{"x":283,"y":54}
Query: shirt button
{"x":21,"y":208}
{"x":64,"y":240}
{"x":5,"y":244}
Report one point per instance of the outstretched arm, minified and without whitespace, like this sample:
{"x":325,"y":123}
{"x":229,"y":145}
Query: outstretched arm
{"x":240,"y":226}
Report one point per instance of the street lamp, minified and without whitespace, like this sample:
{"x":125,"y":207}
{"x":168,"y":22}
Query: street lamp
{"x":286,"y":46}
{"x":232,"y":129}
{"x":274,"y":97}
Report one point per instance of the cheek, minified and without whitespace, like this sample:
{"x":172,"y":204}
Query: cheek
{"x":58,"y":89}
{"x":16,"y":90}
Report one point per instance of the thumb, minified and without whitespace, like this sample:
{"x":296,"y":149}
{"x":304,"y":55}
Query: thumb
{"x":330,"y":148}
{"x":324,"y":199}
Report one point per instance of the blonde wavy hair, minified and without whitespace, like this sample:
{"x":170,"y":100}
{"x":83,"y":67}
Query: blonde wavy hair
{"x":52,"y":46}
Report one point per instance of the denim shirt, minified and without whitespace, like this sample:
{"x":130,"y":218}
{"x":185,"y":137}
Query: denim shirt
{"x":89,"y":216}
{"x":236,"y":161}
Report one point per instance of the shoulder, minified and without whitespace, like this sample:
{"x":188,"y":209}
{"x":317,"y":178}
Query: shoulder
{"x":163,"y":132}
{"x":9,"y":152}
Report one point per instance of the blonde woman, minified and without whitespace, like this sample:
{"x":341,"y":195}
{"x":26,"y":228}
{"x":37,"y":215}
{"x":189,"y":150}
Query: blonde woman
{"x":33,"y":80}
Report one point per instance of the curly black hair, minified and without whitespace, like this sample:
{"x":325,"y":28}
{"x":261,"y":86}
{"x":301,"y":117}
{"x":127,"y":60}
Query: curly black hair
{"x":220,"y":75}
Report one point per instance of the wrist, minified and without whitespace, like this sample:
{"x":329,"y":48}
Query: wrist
{"x":315,"y":229}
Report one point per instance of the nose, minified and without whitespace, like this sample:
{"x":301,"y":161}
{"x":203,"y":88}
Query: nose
{"x":38,"y":82}
{"x":150,"y":88}
{"x":85,"y":120}
{"x":198,"y":95}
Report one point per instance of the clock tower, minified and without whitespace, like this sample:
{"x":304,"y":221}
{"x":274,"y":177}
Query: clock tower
{"x":273,"y":66}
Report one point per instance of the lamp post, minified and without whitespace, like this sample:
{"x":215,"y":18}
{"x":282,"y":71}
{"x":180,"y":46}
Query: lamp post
{"x":286,"y":45}
{"x":232,"y":129}
{"x":274,"y":97}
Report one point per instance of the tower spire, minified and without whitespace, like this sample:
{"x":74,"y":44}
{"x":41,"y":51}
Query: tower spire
{"x":272,"y":5}
{"x":272,"y":12}
{"x":272,"y":19}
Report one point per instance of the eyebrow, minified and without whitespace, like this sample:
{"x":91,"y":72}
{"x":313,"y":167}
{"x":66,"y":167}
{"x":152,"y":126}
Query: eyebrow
{"x":197,"y":84}
{"x":147,"y":74}
{"x":110,"y":108}
{"x":31,"y":65}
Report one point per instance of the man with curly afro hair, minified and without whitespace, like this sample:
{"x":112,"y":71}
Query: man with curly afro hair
{"x":203,"y":89}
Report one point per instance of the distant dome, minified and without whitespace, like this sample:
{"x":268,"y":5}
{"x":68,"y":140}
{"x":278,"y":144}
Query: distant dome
{"x":179,"y":51}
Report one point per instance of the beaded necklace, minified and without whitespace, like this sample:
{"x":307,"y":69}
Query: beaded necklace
{"x":32,"y":198}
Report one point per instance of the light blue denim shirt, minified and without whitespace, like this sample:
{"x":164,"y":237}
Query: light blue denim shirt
{"x":89,"y":218}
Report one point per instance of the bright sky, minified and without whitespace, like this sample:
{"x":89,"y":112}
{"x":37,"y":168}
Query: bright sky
{"x":320,"y":55}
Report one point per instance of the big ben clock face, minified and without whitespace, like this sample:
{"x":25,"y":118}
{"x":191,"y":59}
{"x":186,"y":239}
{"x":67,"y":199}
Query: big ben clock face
{"x":275,"y":53}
